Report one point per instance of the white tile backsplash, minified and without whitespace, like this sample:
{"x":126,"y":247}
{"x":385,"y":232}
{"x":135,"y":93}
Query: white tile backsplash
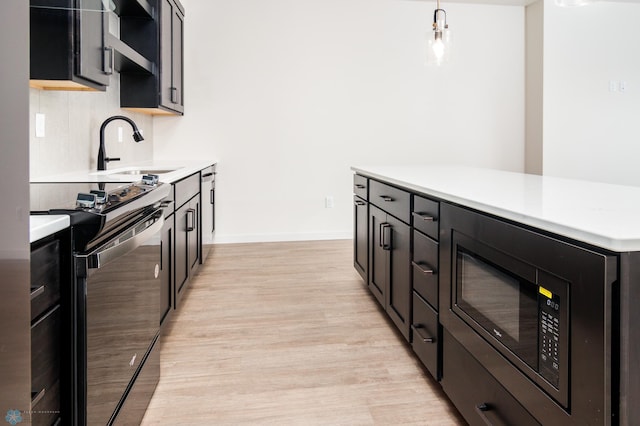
{"x":72,"y":132}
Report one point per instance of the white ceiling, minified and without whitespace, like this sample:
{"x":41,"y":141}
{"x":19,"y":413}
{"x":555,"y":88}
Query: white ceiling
{"x":499,"y":2}
{"x":514,"y":2}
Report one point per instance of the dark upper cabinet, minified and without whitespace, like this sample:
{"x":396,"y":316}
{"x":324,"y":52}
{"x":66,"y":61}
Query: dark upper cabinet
{"x":68,"y":50}
{"x":162,"y":42}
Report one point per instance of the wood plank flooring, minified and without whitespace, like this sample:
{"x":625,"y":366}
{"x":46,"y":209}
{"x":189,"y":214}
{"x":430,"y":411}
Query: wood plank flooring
{"x":287,"y":334}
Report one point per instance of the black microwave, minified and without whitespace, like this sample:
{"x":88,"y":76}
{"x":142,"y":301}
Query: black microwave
{"x":520,"y":306}
{"x":536,"y":312}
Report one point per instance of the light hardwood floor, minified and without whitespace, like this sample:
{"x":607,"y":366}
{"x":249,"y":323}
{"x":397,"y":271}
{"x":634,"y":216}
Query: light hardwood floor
{"x":287,"y":334}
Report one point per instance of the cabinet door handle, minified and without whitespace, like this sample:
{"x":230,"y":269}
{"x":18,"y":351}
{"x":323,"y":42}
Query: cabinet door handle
{"x":35,"y":292}
{"x":191,"y":221}
{"x":420,"y":267}
{"x":386,"y":198}
{"x":385,"y":236}
{"x":108,"y":60}
{"x":211,"y":196}
{"x":174,"y":95}
{"x":484,"y":410}
{"x":359,"y":186}
{"x":359,"y":203}
{"x":420,"y":331}
{"x":424,"y":216}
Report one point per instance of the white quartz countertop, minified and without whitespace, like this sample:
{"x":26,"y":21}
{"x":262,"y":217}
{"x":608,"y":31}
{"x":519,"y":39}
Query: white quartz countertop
{"x":600,"y":214}
{"x":41,"y":226}
{"x":168,"y":172}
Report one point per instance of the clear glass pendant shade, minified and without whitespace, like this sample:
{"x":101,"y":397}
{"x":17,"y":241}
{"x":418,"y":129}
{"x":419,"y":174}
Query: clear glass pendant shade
{"x":439,"y":40}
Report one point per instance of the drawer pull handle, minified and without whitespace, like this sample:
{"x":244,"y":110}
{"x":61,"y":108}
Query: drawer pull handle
{"x":37,"y":291}
{"x":37,"y":397}
{"x":359,"y":186}
{"x":386,"y":198}
{"x":420,"y":331}
{"x":483,"y":410}
{"x":424,"y":217}
{"x":422,"y":269}
{"x":359,"y":203}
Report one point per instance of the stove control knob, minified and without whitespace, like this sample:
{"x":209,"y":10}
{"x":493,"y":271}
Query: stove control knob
{"x":101,"y":196}
{"x":86,"y":201}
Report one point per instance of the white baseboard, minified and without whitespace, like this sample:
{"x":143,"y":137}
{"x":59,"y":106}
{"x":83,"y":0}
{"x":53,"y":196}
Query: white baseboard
{"x":267,"y":238}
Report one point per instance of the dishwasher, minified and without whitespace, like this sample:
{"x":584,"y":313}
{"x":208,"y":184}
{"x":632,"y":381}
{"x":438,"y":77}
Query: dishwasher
{"x":115,"y":315}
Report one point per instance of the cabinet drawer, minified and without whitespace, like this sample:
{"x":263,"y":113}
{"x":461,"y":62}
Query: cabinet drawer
{"x":425,"y":335}
{"x":425,"y":215}
{"x":186,"y":189}
{"x":45,"y":406}
{"x":425,"y":268}
{"x":475,"y":393}
{"x":390,"y":199}
{"x":361,"y":186}
{"x":45,"y":351}
{"x":45,"y":277}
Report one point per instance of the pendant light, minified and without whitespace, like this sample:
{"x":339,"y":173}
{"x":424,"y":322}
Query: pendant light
{"x":439,"y":41}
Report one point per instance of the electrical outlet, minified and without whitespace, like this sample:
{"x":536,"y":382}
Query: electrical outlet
{"x":613,"y":86}
{"x":623,"y":86}
{"x":328,"y":202}
{"x":39,"y":125}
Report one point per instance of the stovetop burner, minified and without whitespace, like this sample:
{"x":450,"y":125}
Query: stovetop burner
{"x":96,"y":209}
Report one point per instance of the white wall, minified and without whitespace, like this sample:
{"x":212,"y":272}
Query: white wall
{"x":590,"y":132}
{"x":534,"y":84}
{"x":287,"y":95}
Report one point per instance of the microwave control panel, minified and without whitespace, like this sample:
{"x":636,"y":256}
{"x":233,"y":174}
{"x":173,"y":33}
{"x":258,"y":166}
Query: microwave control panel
{"x":549,"y":336}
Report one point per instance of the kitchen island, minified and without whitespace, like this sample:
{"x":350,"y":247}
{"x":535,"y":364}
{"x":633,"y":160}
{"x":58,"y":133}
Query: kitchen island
{"x":436,"y":243}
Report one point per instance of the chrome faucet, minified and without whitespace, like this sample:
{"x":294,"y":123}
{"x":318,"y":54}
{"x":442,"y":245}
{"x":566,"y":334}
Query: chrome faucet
{"x":102,"y":155}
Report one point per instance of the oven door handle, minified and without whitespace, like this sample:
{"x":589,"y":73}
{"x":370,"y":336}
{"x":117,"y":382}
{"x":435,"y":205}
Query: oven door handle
{"x":101,"y":258}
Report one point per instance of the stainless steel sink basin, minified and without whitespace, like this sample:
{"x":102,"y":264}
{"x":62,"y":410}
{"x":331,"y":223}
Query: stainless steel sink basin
{"x":144,"y":172}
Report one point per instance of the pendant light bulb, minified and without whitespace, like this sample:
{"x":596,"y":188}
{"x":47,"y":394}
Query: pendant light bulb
{"x":439,"y":41}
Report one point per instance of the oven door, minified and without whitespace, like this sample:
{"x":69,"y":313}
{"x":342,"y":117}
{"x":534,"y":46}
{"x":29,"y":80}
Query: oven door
{"x":118,"y":311}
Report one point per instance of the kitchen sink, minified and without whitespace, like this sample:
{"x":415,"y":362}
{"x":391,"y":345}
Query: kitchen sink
{"x":144,"y":172}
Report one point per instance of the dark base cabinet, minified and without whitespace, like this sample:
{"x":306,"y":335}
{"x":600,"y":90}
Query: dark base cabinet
{"x":187,"y":247}
{"x":361,"y":237}
{"x":426,"y":332}
{"x":181,"y":242}
{"x":476,"y":394}
{"x":361,"y":226}
{"x":390,"y":266}
{"x":51,"y":286}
